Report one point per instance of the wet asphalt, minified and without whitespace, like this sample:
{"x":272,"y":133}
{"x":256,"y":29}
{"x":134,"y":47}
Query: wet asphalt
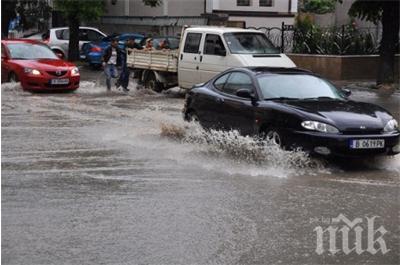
{"x":92,"y":178}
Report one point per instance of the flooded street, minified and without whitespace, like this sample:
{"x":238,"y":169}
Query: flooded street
{"x":110,"y":178}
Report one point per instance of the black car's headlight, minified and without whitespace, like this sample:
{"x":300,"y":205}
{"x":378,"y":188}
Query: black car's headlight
{"x":391,"y":126}
{"x":319,"y":126}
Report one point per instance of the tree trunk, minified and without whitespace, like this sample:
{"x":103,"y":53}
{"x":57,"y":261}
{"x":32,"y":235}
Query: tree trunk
{"x":73,"y":47}
{"x":389,"y":42}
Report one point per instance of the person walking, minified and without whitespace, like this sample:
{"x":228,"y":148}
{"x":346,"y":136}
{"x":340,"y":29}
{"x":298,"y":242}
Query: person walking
{"x":112,"y":58}
{"x":125,"y":72}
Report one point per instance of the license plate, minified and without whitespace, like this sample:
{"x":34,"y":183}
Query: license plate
{"x":367,"y":144}
{"x":63,"y":81}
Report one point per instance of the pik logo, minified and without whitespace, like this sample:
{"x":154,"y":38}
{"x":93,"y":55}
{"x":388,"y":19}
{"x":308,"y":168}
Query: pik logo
{"x":352,"y":234}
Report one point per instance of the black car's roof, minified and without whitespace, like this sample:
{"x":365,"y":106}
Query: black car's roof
{"x":272,"y":70}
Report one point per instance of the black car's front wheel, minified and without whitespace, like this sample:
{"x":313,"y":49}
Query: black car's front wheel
{"x":274,"y":136}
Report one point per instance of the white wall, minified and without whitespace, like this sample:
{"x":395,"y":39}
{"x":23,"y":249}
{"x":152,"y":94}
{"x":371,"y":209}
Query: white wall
{"x":167,"y":8}
{"x":267,"y":22}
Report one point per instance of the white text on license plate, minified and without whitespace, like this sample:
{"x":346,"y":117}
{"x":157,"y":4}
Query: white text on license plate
{"x":63,"y":81}
{"x":367,"y":144}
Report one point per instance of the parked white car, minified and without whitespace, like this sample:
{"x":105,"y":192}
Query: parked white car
{"x":58,"y":38}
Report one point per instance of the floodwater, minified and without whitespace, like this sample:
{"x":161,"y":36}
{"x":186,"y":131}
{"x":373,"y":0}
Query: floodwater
{"x":111,"y":178}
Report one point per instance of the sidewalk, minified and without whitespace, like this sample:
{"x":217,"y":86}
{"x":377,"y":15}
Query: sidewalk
{"x":364,"y":84}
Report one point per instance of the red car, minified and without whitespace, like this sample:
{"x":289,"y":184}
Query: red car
{"x":36,"y":66}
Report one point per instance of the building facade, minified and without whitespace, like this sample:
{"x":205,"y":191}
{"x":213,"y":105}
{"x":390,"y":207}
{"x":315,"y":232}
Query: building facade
{"x":169,"y":17}
{"x":255,"y":13}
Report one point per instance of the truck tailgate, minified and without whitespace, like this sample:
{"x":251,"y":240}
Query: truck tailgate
{"x":154,"y":60}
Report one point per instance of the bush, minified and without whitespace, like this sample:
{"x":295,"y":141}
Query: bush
{"x":346,"y":40}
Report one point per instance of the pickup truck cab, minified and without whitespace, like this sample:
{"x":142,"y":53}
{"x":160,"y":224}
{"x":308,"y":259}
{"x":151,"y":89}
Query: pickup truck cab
{"x":204,"y":52}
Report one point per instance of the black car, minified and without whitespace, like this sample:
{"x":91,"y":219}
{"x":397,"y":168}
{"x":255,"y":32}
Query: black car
{"x":293,"y":108}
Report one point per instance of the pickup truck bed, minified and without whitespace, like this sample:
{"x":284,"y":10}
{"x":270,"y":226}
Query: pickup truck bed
{"x":166,"y":61}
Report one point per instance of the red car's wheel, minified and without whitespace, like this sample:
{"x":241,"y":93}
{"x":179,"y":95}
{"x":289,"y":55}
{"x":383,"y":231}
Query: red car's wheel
{"x":13,"y":78}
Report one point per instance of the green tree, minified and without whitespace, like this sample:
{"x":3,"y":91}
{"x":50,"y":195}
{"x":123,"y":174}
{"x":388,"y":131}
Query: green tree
{"x":386,"y":12}
{"x":75,"y":12}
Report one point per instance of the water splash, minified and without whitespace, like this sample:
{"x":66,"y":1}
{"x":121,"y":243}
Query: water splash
{"x":243,"y":150}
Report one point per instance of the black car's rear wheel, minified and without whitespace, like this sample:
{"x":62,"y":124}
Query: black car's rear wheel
{"x":192,"y":117}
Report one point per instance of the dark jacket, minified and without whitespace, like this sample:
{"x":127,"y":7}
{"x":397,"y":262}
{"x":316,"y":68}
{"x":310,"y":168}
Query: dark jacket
{"x":120,"y":55}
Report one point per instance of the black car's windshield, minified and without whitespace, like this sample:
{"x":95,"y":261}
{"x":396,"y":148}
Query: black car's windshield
{"x":249,"y":43}
{"x":296,"y":86}
{"x":28,"y":51}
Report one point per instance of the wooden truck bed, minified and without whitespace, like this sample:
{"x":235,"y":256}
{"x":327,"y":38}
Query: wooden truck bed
{"x":154,"y":60}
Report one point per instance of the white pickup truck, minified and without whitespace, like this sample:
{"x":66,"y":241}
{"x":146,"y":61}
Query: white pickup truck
{"x":204,"y":52}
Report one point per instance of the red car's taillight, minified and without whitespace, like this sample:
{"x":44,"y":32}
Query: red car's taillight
{"x":95,"y":49}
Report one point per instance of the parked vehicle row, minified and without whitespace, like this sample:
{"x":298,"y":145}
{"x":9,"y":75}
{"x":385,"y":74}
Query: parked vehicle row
{"x":58,"y":38}
{"x":92,"y":52}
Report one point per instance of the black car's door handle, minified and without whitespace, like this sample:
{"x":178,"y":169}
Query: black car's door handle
{"x":219,"y":100}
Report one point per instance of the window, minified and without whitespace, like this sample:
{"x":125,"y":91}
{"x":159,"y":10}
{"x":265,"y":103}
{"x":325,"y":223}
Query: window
{"x":62,"y":34}
{"x":266,"y":2}
{"x":249,"y":43}
{"x":93,"y":35}
{"x":296,"y":86}
{"x":83,"y":35}
{"x":27,"y":51}
{"x":220,"y":82}
{"x":214,"y":45}
{"x":192,"y":43}
{"x":236,"y":81}
{"x":243,"y":2}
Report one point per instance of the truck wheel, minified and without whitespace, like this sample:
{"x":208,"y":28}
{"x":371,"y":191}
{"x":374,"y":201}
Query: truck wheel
{"x":152,"y":83}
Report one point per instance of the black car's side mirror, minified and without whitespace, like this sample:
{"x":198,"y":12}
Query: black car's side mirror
{"x":346,"y":92}
{"x":244,"y":93}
